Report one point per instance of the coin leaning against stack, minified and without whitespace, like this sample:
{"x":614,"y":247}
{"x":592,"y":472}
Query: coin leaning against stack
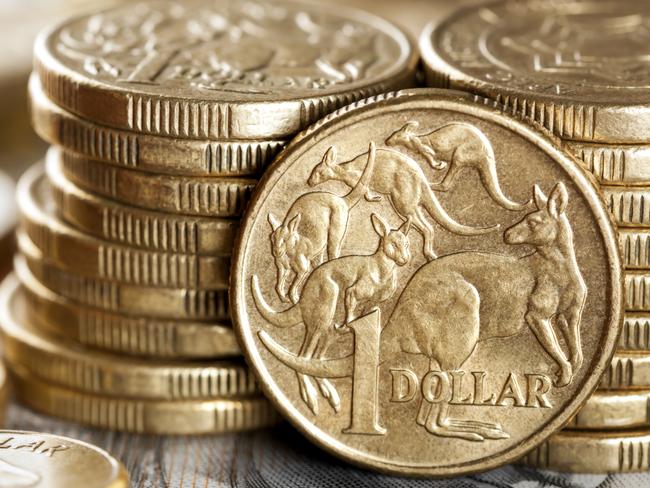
{"x":117,"y":315}
{"x":592,"y":93}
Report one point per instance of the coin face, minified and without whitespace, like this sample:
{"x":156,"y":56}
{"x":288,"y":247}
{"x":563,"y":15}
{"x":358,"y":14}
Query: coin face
{"x":34,"y":460}
{"x":426,"y":286}
{"x":578,"y":67}
{"x":220,"y":69}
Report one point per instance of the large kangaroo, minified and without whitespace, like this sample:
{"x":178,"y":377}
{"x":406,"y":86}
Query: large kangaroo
{"x":402,"y":180}
{"x":354,"y":283}
{"x":457,"y":301}
{"x":313,"y":230}
{"x":456,"y":146}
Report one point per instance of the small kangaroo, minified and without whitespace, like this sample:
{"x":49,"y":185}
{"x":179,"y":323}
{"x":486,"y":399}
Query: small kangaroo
{"x":402,"y":180}
{"x":356,"y":284}
{"x":456,"y":146}
{"x":459,"y":300}
{"x":313,"y":230}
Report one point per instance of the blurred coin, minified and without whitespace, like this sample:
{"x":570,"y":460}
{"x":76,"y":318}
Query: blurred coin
{"x":72,"y":366}
{"x":580,"y":68}
{"x":191,"y":417}
{"x":607,"y":410}
{"x":132,"y":226}
{"x":78,"y":253}
{"x":8,"y":219}
{"x":189,"y":157}
{"x":414,"y":351}
{"x":628,"y":370}
{"x":165,"y":303}
{"x":224,"y":70}
{"x":207,"y":196}
{"x":622,"y":164}
{"x":4,"y":392}
{"x":123,"y":334}
{"x":592,"y":452}
{"x":36,"y":460}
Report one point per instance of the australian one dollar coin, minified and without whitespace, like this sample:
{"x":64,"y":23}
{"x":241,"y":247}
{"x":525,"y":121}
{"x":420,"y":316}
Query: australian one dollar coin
{"x":426,"y":286}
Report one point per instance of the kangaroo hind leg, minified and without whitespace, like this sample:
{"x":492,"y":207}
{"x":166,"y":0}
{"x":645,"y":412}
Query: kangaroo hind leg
{"x":327,"y":389}
{"x":426,"y":229}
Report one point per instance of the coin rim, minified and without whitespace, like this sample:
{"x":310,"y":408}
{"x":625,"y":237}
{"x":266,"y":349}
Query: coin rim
{"x":463,"y":103}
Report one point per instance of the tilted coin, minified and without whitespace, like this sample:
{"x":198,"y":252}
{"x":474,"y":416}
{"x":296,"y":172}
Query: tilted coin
{"x":635,"y":332}
{"x":7,"y":222}
{"x":635,"y":244}
{"x":607,"y":410}
{"x":4,"y":392}
{"x":37,"y":460}
{"x":628,"y":205}
{"x":123,"y":334}
{"x":88,"y":256}
{"x":191,"y":417}
{"x":69,"y":365}
{"x":637,"y":291}
{"x":189,"y":157}
{"x":461,"y":246}
{"x":112,"y":296}
{"x":592,"y":452}
{"x":620,"y":164}
{"x":578,"y":67}
{"x":207,"y":196}
{"x":220,"y":70}
{"x":627,"y":370}
{"x":132,"y":226}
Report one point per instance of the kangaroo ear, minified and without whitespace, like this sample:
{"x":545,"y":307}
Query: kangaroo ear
{"x":294,"y":222}
{"x":558,"y":201}
{"x":406,"y":227}
{"x":330,"y":157}
{"x":275,"y":223}
{"x":539,"y":197}
{"x":411,"y":125}
{"x":380,"y":225}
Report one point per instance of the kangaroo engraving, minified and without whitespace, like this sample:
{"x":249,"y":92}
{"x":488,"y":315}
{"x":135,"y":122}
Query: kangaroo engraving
{"x":355,"y":284}
{"x":456,"y":146}
{"x":480,"y":296}
{"x":402,"y":180}
{"x":313,"y":231}
{"x":15,"y":477}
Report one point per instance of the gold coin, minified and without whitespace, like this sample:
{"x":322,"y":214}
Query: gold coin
{"x":4,"y":392}
{"x":189,"y":157}
{"x":609,"y":410}
{"x":627,"y":370}
{"x":425,"y":340}
{"x":592,"y":452}
{"x":123,"y":334}
{"x":635,"y":333}
{"x":578,"y":67}
{"x":628,"y":205}
{"x":131,"y":226}
{"x":36,"y":460}
{"x":166,"y":303}
{"x":88,"y":256}
{"x":637,"y":291}
{"x":223,"y":70}
{"x":191,"y":417}
{"x":622,"y":164}
{"x":7,"y":222}
{"x":207,"y":196}
{"x":635,"y":244}
{"x":72,"y":366}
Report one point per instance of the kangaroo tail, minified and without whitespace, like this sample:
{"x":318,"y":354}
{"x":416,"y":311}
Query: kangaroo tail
{"x":361,"y":188}
{"x":319,"y":368}
{"x":433,"y":208}
{"x":285,"y":319}
{"x":488,"y":173}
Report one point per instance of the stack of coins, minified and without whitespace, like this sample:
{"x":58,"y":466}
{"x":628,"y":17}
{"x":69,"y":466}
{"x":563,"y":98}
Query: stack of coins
{"x":579,"y":69}
{"x":162,"y":117}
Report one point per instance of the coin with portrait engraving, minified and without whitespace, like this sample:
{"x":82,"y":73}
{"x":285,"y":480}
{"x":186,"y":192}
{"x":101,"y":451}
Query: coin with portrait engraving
{"x":88,"y":256}
{"x":592,"y":452}
{"x":425,"y":285}
{"x":36,"y":460}
{"x":580,"y":68}
{"x":222,"y":69}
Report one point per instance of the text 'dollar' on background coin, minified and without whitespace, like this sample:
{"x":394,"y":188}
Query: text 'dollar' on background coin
{"x":426,"y":286}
